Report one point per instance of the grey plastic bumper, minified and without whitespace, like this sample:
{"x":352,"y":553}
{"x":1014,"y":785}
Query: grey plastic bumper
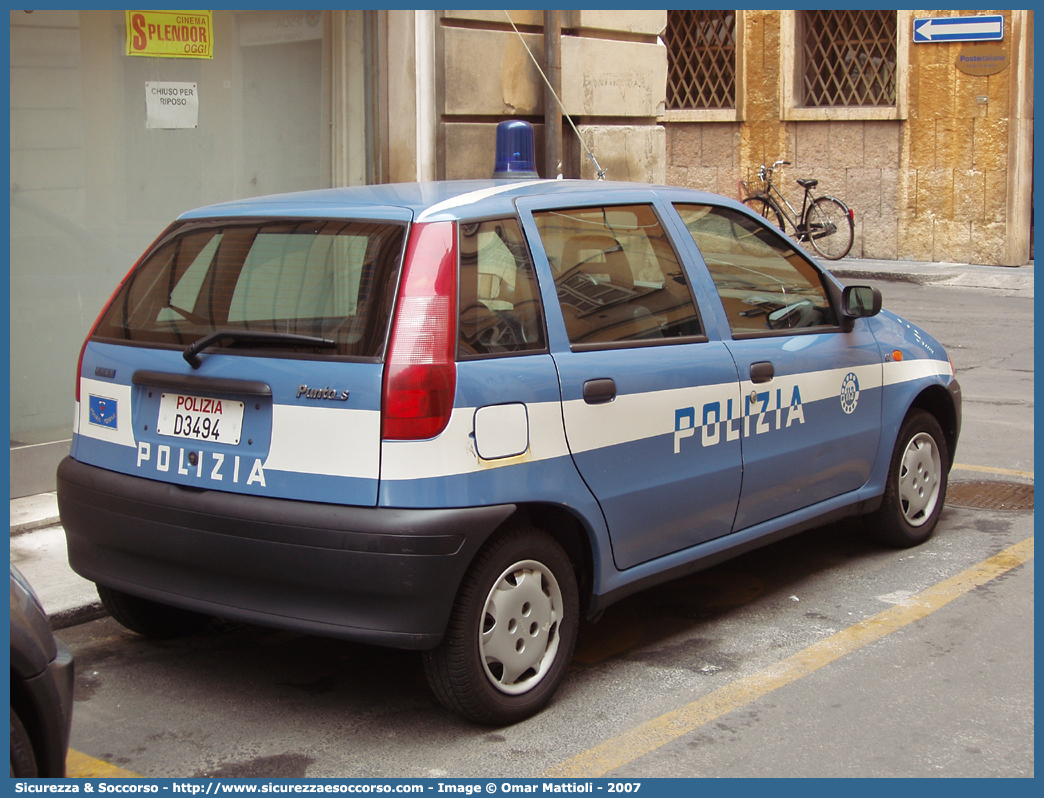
{"x":375,"y":575}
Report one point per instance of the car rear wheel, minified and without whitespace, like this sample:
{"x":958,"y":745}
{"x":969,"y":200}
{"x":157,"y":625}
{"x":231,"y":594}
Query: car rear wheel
{"x":512,"y":630}
{"x":23,"y":761}
{"x":149,"y":618}
{"x":916,"y":488}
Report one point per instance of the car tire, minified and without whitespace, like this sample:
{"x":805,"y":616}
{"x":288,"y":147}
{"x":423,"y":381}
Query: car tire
{"x":511,"y":632}
{"x":23,"y":760}
{"x":916,"y":487}
{"x":148,"y":618}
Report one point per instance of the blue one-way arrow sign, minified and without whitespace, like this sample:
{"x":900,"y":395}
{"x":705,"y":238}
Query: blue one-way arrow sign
{"x":959,"y":29}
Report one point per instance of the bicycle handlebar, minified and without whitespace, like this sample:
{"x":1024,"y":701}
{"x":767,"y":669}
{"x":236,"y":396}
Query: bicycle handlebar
{"x":765,"y":172}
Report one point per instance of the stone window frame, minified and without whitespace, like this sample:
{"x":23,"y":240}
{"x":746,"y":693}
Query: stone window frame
{"x":789,"y":83}
{"x":720,"y":114}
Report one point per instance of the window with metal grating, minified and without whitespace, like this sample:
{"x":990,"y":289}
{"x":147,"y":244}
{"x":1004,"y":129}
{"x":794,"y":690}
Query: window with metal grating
{"x":701,"y":59}
{"x":849,"y":58}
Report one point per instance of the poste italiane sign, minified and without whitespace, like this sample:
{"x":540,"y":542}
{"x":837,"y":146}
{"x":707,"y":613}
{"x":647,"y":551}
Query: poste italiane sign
{"x":170,"y":34}
{"x":982,"y":59}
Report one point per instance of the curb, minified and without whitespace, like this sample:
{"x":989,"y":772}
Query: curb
{"x":77,"y":615}
{"x":894,"y":277}
{"x":36,"y":523}
{"x":34,"y":512}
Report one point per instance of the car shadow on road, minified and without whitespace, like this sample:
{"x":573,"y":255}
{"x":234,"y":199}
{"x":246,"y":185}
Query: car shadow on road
{"x":256,"y":674}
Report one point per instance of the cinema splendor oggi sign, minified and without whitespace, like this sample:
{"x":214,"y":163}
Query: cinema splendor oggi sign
{"x":170,"y":34}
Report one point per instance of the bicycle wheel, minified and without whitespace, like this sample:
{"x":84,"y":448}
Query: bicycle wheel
{"x":766,"y":207}
{"x":830,"y":227}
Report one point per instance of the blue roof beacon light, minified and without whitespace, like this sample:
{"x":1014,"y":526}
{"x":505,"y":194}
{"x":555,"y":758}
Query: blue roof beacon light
{"x":515,"y":159}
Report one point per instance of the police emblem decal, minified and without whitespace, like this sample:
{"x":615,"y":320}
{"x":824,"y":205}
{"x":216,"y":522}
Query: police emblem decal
{"x":849,"y":393}
{"x":102,"y":411}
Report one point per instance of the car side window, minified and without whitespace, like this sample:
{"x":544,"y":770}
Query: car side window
{"x":764,"y":283}
{"x":617,"y":276}
{"x":500,"y":311}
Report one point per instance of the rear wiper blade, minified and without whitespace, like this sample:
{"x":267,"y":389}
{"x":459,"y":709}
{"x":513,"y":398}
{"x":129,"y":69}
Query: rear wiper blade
{"x":191,"y":354}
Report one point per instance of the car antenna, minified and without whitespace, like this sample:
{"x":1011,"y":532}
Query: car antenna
{"x":598,"y":169}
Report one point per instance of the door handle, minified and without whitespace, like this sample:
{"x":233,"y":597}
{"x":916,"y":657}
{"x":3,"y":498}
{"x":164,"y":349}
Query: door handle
{"x":762,"y":372}
{"x":598,"y":392}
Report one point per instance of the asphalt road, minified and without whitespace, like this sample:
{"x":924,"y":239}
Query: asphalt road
{"x":800,"y":659}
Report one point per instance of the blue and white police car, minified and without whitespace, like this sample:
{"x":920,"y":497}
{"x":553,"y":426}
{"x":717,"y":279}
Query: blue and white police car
{"x":456,"y":417}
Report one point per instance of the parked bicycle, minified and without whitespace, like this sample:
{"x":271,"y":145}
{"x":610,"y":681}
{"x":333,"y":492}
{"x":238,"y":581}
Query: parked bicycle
{"x":825,"y":222}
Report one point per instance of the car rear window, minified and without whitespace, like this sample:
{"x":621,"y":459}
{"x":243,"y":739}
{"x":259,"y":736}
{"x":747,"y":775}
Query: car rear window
{"x":328,"y":279}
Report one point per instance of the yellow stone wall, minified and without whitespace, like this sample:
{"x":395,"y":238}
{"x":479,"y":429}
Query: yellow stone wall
{"x":957,"y":157}
{"x":949,"y":182}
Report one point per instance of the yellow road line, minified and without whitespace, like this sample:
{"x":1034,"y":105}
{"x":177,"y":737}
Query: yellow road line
{"x":1008,"y":472}
{"x":81,"y":766}
{"x":629,"y":746}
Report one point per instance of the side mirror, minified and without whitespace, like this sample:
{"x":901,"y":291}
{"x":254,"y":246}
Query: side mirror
{"x":860,"y":301}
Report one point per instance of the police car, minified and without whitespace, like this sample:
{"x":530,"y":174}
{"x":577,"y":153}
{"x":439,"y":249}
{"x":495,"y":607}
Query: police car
{"x":456,"y":417}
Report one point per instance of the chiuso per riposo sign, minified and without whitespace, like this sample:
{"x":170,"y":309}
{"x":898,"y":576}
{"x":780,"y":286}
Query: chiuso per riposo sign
{"x":170,"y":34}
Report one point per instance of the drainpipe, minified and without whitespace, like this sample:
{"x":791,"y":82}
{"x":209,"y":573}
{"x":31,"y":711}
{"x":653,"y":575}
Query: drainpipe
{"x":424,"y":38}
{"x":552,"y":110}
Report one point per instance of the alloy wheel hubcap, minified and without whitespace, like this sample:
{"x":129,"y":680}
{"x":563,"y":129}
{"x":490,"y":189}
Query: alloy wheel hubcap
{"x":518,"y":639}
{"x":920,"y":479}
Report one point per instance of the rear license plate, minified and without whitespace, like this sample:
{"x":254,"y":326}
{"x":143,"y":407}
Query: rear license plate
{"x":200,"y":418}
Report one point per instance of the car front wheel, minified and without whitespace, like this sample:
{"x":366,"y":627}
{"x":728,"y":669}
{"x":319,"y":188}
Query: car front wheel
{"x":512,"y":630}
{"x":916,"y":488}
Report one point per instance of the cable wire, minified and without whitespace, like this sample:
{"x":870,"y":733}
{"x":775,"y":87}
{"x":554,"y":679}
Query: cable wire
{"x":598,"y":169}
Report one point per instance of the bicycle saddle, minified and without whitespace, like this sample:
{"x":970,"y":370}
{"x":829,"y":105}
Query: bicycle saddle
{"x":807,"y":182}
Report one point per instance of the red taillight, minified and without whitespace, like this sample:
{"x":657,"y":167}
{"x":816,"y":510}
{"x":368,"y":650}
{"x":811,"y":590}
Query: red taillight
{"x":105,"y":309}
{"x":420,"y":375}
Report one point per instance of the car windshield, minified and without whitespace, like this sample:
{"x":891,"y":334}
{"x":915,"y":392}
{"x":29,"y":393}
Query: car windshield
{"x":323,"y":279}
